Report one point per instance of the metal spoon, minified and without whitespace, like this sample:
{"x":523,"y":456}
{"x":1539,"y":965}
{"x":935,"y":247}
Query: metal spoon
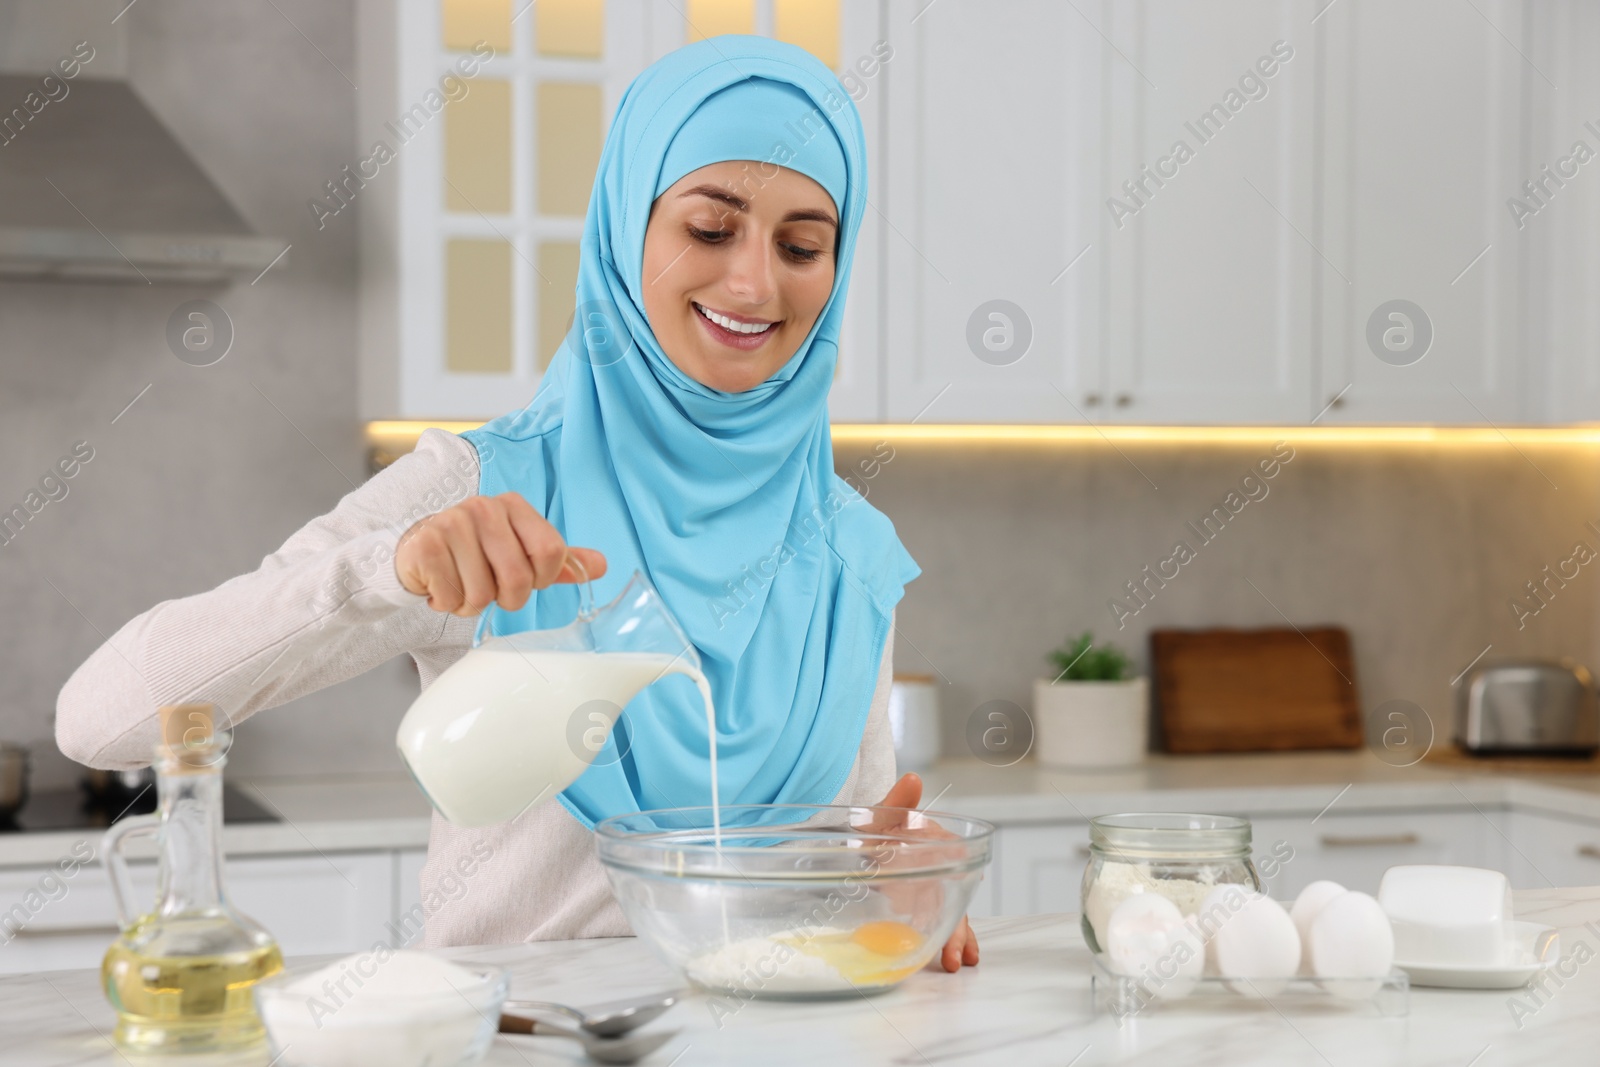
{"x":629,"y":1048}
{"x":604,"y":1020}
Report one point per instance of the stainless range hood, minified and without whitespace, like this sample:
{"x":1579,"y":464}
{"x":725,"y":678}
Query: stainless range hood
{"x":94,"y":187}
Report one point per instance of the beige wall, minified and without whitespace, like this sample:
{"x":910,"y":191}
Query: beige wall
{"x":1417,"y":550}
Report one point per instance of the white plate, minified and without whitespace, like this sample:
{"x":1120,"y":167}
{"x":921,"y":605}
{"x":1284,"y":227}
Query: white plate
{"x":1537,"y":948}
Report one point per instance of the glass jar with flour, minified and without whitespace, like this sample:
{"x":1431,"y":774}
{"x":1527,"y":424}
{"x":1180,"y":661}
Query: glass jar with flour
{"x":1182,"y":857}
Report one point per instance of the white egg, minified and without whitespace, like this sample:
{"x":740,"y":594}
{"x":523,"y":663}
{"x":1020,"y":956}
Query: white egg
{"x":1252,"y":940}
{"x":1312,"y":899}
{"x":1351,"y":938}
{"x":1148,"y":937}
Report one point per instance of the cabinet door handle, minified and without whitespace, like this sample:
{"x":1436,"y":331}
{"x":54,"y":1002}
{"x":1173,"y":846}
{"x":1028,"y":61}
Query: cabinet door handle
{"x":1336,"y":401}
{"x":1589,"y":851}
{"x":1083,"y":852}
{"x":1368,"y":840}
{"x":1124,"y":399}
{"x":1092,"y":400}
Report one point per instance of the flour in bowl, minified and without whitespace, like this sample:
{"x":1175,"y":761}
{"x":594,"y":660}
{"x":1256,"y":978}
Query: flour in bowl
{"x":815,"y":959}
{"x":771,"y":965}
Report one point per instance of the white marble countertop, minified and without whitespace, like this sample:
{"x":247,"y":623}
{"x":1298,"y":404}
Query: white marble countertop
{"x":1028,"y":1002}
{"x":382,"y":812}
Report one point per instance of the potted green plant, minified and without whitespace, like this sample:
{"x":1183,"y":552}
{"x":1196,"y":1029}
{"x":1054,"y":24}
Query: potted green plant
{"x":1091,"y":713}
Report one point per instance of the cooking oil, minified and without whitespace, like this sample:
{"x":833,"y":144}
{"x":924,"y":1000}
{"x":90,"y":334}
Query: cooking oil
{"x":181,"y":975}
{"x":177,"y":1003}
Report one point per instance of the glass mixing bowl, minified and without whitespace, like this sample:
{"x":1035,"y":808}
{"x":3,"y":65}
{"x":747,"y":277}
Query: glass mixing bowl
{"x":799,"y":901}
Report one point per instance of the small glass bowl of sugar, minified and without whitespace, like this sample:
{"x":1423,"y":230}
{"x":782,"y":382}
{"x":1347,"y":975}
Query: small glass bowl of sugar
{"x":398,"y":1008}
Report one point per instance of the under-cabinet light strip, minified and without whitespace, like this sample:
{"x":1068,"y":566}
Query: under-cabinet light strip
{"x":405,"y":433}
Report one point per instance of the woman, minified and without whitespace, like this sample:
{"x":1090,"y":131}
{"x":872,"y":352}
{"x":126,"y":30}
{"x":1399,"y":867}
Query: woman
{"x":682,"y":431}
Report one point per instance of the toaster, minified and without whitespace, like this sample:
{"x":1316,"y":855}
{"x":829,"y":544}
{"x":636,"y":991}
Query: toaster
{"x":1527,"y":706}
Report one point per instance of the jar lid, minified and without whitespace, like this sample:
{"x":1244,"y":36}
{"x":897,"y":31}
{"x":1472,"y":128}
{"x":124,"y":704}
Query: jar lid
{"x":1148,"y":835}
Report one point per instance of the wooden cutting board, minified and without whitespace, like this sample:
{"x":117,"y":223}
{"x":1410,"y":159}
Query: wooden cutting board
{"x":1255,"y":690}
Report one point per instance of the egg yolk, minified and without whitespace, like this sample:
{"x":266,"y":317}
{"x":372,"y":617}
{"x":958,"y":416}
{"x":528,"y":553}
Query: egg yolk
{"x":873,"y":954}
{"x":887,"y":938}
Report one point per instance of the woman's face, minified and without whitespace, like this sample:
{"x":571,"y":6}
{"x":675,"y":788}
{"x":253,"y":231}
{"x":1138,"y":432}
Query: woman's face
{"x":754,"y":249}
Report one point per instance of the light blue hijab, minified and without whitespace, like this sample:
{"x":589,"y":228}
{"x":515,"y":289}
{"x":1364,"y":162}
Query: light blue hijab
{"x":780,"y":573}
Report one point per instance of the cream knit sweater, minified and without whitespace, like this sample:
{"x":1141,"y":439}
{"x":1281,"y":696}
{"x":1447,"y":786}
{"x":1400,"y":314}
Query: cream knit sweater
{"x":326,"y":607}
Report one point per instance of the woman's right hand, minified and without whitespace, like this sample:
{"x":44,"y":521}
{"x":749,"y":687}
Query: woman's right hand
{"x":488,"y":548}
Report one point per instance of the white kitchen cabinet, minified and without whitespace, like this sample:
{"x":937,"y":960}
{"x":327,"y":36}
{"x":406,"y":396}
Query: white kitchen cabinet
{"x":72,"y":930}
{"x":1564,"y":851}
{"x":338,"y":902}
{"x":1041,"y":867}
{"x":1355,"y":850}
{"x":1234,"y":285}
{"x":1034,"y":250}
{"x":1035,"y":179}
{"x":1425,"y":109}
{"x":1562,"y":255}
{"x":992,"y":215}
{"x":1210,"y":176}
{"x":470,"y":227}
{"x":985,"y":900}
{"x":408,"y":887}
{"x":1538,"y":851}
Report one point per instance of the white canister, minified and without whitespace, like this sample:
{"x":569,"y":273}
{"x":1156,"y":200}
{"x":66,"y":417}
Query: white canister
{"x":914,"y":721}
{"x":1091,"y":724}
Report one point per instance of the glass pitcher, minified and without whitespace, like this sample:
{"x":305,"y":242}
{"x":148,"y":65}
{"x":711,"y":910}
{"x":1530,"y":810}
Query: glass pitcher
{"x":520,"y":716}
{"x":180,"y":976}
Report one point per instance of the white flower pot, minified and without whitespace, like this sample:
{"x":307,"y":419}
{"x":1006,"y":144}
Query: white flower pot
{"x":1091,"y":724}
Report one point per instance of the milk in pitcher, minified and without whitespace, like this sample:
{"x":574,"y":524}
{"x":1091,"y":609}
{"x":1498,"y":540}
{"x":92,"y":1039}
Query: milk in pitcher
{"x":506,"y":726}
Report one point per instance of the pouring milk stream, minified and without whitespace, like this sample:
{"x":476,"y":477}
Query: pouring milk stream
{"x":490,"y":736}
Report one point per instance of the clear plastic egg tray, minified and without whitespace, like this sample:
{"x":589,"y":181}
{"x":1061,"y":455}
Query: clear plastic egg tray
{"x":1128,"y":996}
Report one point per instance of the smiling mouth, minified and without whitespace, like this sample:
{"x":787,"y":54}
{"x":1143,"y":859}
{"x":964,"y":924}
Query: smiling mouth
{"x":741,"y":327}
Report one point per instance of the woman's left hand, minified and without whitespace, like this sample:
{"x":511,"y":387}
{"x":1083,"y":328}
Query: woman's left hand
{"x":962,"y":948}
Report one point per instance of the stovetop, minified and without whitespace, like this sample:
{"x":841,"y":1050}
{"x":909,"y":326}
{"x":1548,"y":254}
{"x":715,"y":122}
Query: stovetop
{"x":73,"y":809}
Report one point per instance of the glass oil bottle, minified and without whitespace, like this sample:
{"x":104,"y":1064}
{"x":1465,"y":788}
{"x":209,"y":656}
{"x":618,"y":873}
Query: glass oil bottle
{"x":180,"y":976}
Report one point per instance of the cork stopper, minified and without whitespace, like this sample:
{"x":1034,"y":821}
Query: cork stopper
{"x":187,"y":733}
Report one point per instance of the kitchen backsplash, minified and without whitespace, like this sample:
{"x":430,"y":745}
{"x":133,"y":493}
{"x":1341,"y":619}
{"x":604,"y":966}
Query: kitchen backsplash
{"x":196,"y":473}
{"x":1423,"y":552}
